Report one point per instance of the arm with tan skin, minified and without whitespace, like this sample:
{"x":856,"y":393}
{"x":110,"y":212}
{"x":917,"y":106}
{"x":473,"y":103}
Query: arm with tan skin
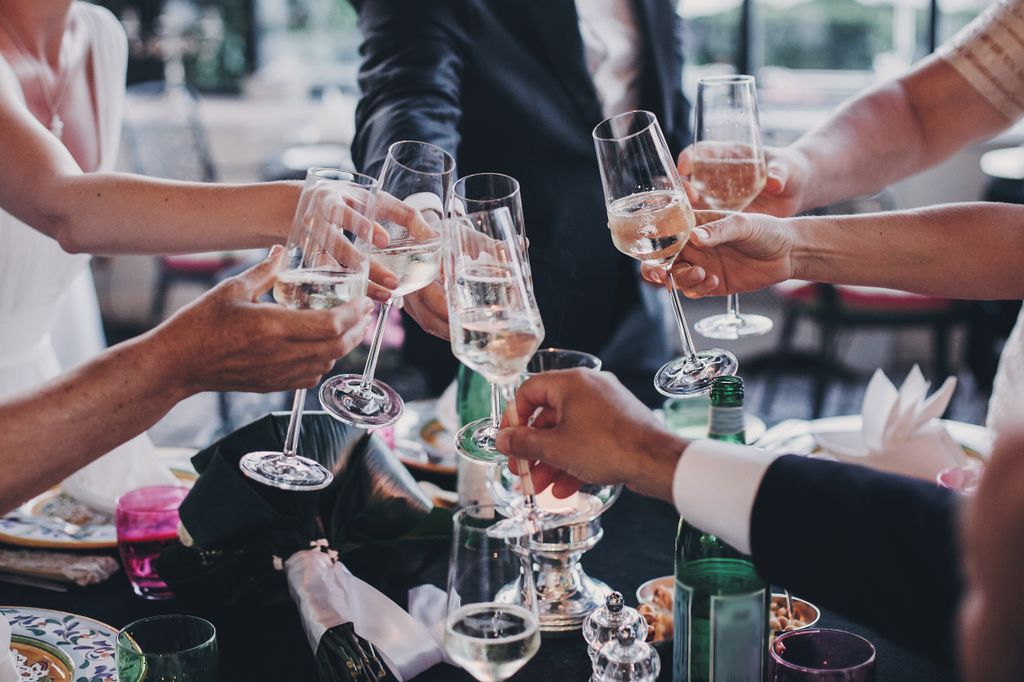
{"x":890,"y":132}
{"x":966,"y":251}
{"x":224,"y":341}
{"x":112,"y":213}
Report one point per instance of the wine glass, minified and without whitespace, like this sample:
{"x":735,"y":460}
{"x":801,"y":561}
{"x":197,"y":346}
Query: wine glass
{"x":414,"y":193}
{"x":729,"y":172}
{"x":492,"y":628}
{"x":473,"y":193}
{"x":650,"y":220}
{"x":327,"y":265}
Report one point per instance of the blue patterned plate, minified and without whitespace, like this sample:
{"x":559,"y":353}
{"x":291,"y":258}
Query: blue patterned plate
{"x":51,"y":645}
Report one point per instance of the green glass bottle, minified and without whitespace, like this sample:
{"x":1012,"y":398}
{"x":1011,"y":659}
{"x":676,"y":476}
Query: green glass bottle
{"x":472,"y":401}
{"x":721,"y":604}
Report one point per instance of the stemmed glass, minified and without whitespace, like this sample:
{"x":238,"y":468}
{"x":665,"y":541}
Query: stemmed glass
{"x":414,"y":193}
{"x":492,"y":628}
{"x":729,"y":172}
{"x":650,"y":220}
{"x":474,"y":193}
{"x":326,"y":266}
{"x":492,"y":312}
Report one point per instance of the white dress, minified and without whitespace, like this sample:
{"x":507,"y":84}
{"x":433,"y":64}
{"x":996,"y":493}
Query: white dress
{"x":45,"y":291}
{"x":989,"y":54}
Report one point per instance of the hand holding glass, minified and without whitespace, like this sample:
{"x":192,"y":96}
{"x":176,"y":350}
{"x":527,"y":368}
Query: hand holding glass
{"x":650,"y":220}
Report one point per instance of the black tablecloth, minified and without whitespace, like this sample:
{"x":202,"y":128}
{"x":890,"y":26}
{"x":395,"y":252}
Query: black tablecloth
{"x":264,"y":645}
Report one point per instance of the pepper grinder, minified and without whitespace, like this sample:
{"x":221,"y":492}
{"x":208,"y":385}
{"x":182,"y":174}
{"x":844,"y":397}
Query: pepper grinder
{"x":626,"y":659}
{"x":603,"y":624}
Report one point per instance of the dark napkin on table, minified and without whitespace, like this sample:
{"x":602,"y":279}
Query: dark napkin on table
{"x":241,"y":532}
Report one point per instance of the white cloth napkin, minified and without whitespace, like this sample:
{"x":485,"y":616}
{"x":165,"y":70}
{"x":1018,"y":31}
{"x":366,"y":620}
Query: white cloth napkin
{"x":125,"y":468}
{"x":901,"y":429}
{"x":8,"y":672}
{"x":328,"y":595}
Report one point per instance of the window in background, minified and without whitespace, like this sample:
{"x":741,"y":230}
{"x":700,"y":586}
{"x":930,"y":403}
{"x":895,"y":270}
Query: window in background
{"x":955,"y":14}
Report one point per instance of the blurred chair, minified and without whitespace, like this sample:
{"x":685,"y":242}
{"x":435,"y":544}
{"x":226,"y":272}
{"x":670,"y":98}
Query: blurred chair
{"x":163,"y":137}
{"x":836,"y":308}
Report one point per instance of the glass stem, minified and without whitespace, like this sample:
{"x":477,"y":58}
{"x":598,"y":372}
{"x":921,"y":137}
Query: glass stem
{"x":291,"y":438}
{"x":495,"y":407}
{"x":508,"y":393}
{"x":689,"y":352}
{"x":378,"y":336}
{"x":732,"y":306}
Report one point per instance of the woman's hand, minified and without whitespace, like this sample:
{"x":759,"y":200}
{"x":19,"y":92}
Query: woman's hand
{"x":229,"y":341}
{"x":729,"y":254}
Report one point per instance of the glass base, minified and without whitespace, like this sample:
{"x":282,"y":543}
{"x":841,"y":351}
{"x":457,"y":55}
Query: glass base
{"x":152,"y":593}
{"x":734,"y":326}
{"x":286,"y":473}
{"x":681,"y":378}
{"x":346,"y":400}
{"x":475,"y":441}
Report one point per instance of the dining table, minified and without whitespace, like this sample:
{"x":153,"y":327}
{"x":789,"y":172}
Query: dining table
{"x":268,"y":643}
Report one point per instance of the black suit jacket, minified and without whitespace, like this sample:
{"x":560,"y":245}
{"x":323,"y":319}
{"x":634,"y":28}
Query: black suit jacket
{"x":503,"y":85}
{"x":880,"y":549}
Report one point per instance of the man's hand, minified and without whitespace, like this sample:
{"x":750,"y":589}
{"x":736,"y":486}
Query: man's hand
{"x":429,"y":307}
{"x":784,"y":192}
{"x":590,"y":429}
{"x":228,"y":341}
{"x":730,"y":255}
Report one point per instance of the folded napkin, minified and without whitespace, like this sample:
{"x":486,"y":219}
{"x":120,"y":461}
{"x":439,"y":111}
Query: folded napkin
{"x":62,"y":567}
{"x":125,"y":468}
{"x":8,"y":673}
{"x":335,"y":561}
{"x":901,"y":430}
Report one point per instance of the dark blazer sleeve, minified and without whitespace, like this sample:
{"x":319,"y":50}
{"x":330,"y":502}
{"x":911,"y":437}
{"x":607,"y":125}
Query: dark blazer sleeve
{"x":877,"y":548}
{"x":413,"y":55}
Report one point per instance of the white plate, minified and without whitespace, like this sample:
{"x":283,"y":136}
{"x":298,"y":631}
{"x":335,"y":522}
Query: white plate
{"x":846,"y":443}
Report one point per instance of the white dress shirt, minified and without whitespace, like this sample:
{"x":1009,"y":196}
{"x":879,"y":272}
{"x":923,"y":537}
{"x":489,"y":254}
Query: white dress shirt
{"x":715,"y":485}
{"x":611,"y":41}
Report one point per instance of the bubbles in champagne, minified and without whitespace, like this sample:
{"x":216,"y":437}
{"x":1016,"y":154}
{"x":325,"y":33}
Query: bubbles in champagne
{"x":651,"y":226}
{"x":309,"y":289}
{"x":415,"y":263}
{"x":728,"y":176}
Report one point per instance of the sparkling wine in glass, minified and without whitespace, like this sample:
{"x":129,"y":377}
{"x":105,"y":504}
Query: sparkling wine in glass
{"x":492,"y":627}
{"x":414,"y":194}
{"x":327,"y":265}
{"x":729,"y":172}
{"x":650,"y":219}
{"x":493,"y":317}
{"x":474,"y":193}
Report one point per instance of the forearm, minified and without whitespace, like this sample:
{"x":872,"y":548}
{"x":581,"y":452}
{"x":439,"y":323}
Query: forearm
{"x":966,"y":251}
{"x":112,"y":213}
{"x":56,"y":429}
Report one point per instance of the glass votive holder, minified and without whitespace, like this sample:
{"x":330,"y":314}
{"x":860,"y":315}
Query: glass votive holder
{"x":963,"y":480}
{"x":821,"y":655}
{"x":171,"y":648}
{"x":147,"y":523}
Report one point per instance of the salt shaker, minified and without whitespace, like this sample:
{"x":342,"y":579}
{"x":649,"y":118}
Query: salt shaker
{"x":626,"y":659}
{"x":603,"y":623}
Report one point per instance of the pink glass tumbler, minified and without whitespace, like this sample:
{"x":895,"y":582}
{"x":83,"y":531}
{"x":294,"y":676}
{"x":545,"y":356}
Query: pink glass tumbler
{"x":147,"y":523}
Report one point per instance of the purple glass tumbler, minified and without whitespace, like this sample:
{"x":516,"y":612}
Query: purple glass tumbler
{"x":821,"y":655}
{"x":147,"y":523}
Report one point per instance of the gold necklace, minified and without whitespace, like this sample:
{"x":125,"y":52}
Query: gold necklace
{"x":53,"y":103}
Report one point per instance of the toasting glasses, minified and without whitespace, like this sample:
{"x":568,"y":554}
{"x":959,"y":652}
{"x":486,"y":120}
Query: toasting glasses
{"x":492,"y":628}
{"x":414,"y":191}
{"x":729,"y":172}
{"x":650,"y":220}
{"x":327,"y":265}
{"x":474,"y":193}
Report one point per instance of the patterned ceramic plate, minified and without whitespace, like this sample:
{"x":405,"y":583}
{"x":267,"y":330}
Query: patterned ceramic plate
{"x":54,"y":520}
{"x":60,"y":647}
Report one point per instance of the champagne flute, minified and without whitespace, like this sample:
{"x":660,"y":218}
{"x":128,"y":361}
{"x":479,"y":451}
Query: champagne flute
{"x":650,"y":220}
{"x":326,"y":266}
{"x":473,"y":193}
{"x":414,"y":193}
{"x":492,"y":312}
{"x":729,"y":172}
{"x":492,"y":627}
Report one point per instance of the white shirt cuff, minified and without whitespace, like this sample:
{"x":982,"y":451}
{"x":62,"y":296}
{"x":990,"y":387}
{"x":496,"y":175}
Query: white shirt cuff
{"x":715,"y":485}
